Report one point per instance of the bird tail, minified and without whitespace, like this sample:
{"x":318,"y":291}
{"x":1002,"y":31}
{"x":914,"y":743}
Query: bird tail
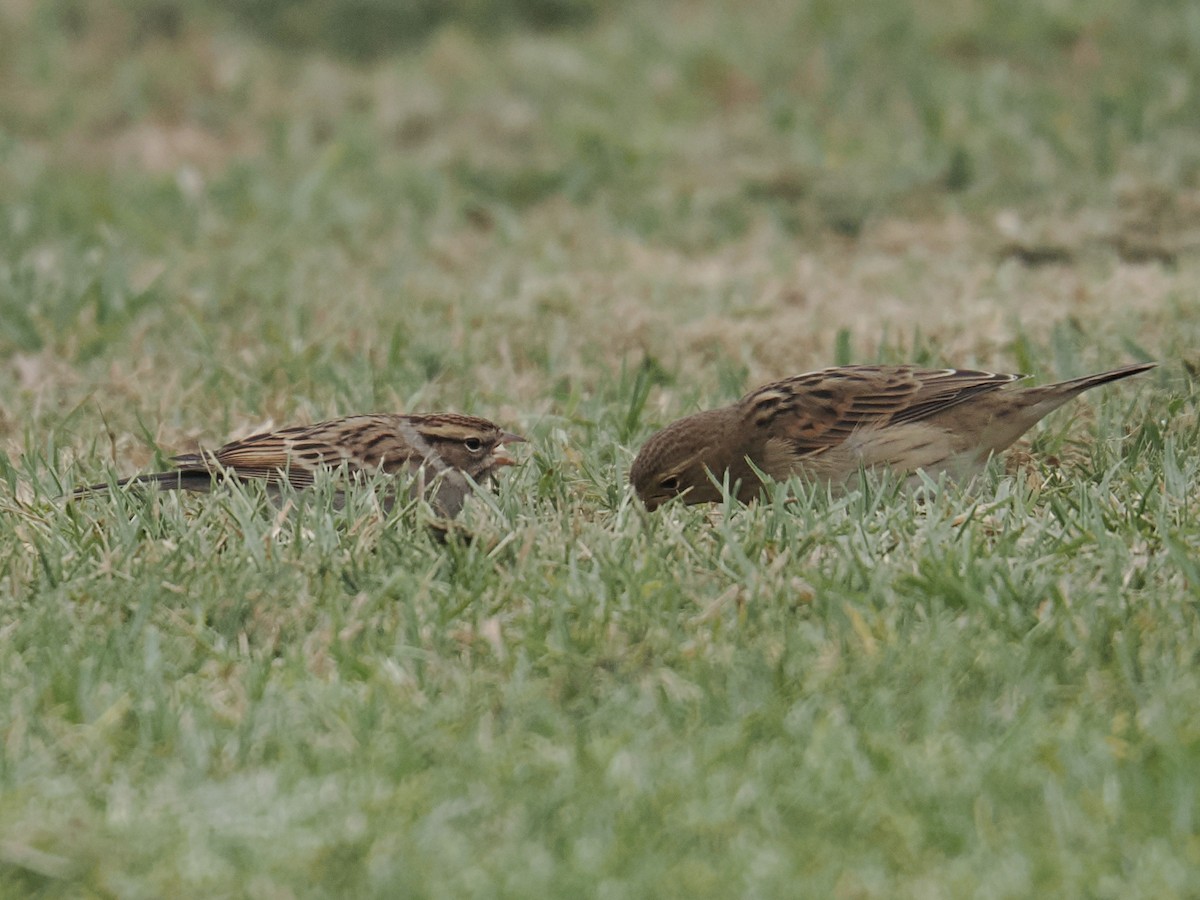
{"x":1087,"y":382}
{"x":178,"y":480}
{"x":1042,"y":400}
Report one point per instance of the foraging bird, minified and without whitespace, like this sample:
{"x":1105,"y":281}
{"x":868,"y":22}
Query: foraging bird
{"x":829,"y":424}
{"x":441,"y":448}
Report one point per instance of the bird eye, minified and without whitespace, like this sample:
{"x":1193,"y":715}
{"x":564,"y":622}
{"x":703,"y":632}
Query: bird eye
{"x":670,"y":483}
{"x":474,"y":445}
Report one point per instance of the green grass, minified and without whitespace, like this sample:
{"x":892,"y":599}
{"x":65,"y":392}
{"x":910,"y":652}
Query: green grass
{"x":582,"y":233}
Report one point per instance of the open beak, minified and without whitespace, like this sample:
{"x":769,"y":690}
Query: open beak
{"x":499,"y":457}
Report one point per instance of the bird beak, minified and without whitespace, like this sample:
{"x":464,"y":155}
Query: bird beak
{"x":499,"y":457}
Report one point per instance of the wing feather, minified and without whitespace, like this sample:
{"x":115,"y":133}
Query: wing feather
{"x":819,"y":410}
{"x":298,"y":453}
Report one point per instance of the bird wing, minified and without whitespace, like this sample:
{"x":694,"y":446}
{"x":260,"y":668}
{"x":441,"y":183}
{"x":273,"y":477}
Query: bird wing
{"x":819,"y":410}
{"x":358,"y":442}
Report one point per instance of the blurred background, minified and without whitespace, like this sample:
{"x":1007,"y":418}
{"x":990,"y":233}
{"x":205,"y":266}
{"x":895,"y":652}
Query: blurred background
{"x":296,"y":208}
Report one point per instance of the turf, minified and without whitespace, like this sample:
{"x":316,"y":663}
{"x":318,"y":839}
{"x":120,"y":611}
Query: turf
{"x":583,"y":224}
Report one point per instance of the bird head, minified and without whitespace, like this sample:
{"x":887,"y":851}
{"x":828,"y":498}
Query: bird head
{"x":469,"y":444}
{"x":677,"y":461}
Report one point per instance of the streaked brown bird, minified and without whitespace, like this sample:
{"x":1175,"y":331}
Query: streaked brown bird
{"x":829,"y":424}
{"x":440,"y":448}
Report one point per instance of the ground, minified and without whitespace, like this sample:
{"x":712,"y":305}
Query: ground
{"x":582,"y":224}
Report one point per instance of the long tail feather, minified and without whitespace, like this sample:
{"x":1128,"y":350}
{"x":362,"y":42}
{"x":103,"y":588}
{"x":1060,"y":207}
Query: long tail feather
{"x":1076,"y":385}
{"x":1044,"y":399}
{"x":179,"y":480}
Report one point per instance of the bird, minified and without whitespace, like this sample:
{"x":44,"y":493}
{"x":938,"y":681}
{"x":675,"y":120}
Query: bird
{"x":438,"y":448}
{"x":830,"y":424}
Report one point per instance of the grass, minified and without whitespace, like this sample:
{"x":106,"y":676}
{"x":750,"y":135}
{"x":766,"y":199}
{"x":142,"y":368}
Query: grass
{"x":583,"y":233}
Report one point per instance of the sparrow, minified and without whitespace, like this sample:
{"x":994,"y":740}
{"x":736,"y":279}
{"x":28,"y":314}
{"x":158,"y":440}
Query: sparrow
{"x":830,"y":424}
{"x":440,"y":448}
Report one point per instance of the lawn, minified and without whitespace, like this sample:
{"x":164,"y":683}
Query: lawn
{"x":584,"y":220}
